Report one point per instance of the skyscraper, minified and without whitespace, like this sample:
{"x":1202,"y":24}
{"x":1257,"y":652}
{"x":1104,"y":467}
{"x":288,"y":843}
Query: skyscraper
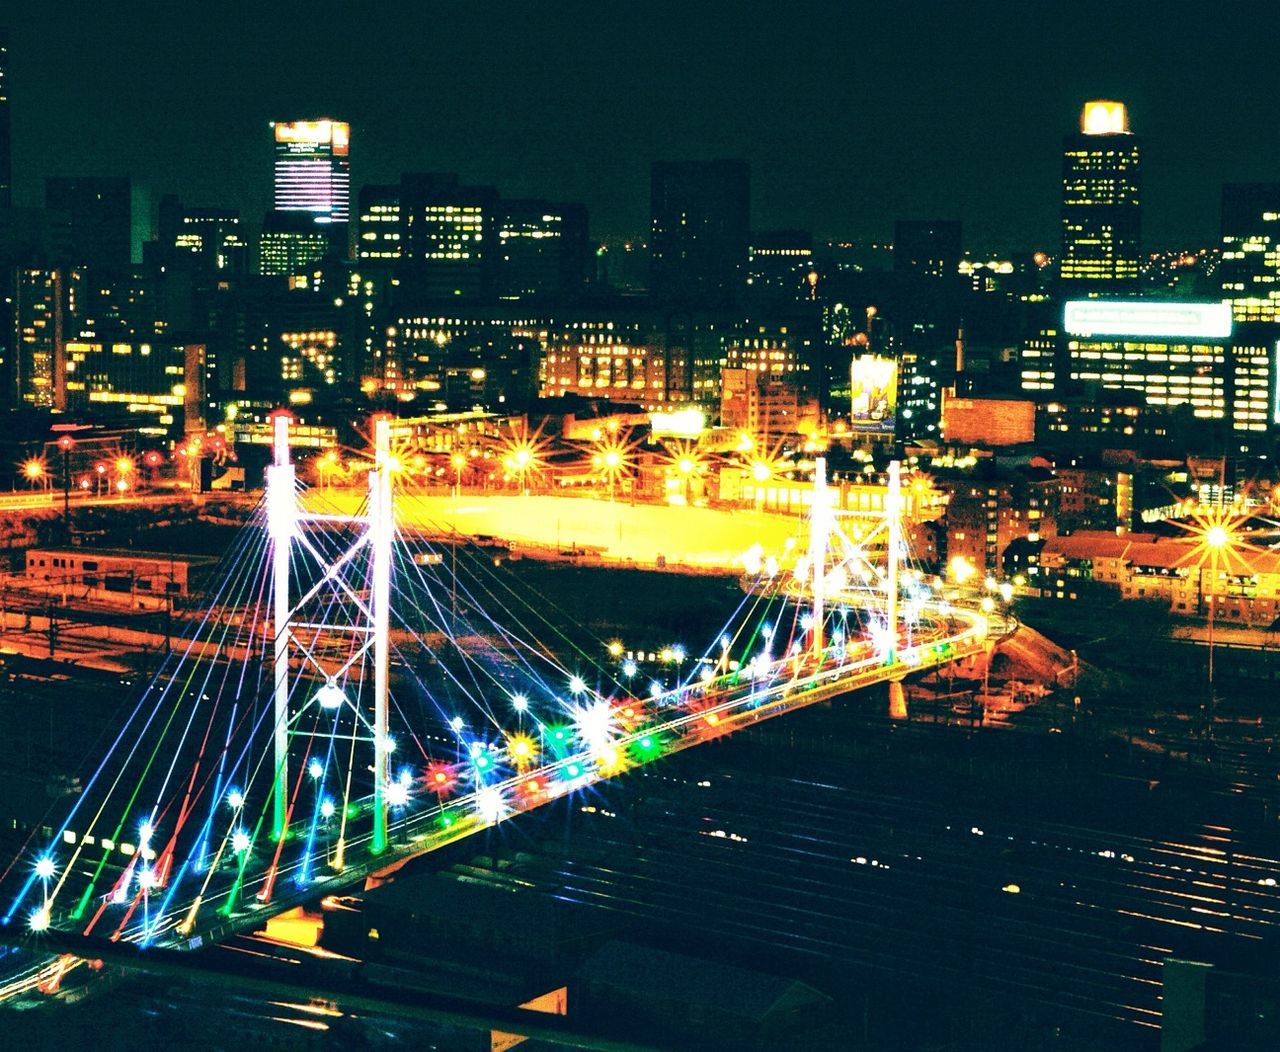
{"x":448,"y":235}
{"x":1101,"y":203}
{"x":700,"y":228}
{"x":6,"y":154}
{"x":1250,"y":268}
{"x":312,"y":169}
{"x":540,"y":248}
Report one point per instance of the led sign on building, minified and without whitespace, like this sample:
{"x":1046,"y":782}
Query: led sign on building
{"x":1209,"y":321}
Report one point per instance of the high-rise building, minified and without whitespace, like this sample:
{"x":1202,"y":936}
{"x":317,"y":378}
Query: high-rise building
{"x":927,"y":248}
{"x":290,"y":244}
{"x":699,"y":229}
{"x":448,"y":235}
{"x":211,"y":239}
{"x":379,"y":237}
{"x":1101,"y":203}
{"x":1250,"y":268}
{"x":6,"y":152}
{"x":779,"y":265}
{"x":312,"y":169}
{"x":39,"y":360}
{"x":1179,"y":355}
{"x":540,"y":248}
{"x":97,"y":213}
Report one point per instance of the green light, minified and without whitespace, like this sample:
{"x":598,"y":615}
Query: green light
{"x":573,"y":770}
{"x":559,"y":739}
{"x":647,"y":748}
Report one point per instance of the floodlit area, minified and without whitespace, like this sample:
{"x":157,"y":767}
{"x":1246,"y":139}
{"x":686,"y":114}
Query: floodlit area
{"x":641,"y":534}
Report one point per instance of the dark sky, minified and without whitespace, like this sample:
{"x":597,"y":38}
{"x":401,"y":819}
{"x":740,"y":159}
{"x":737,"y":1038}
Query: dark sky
{"x":851,"y":113}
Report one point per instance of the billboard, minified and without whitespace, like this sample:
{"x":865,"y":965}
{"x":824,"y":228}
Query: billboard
{"x":336,"y":134}
{"x":1143,"y":318}
{"x":873,"y":392}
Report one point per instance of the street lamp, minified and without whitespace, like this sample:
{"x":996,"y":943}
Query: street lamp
{"x":1218,"y":540}
{"x":33,"y":470}
{"x":459,"y":462}
{"x":65,"y":442}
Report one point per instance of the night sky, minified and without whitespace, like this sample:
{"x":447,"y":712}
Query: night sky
{"x":852,"y":114}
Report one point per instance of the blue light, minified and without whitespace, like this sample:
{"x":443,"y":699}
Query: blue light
{"x":629,"y":668}
{"x":316,"y":769}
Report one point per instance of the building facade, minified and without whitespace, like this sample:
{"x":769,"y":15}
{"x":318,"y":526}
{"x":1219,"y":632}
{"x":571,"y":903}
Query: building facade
{"x":700,"y":221}
{"x":1101,"y":203}
{"x":312,"y":169}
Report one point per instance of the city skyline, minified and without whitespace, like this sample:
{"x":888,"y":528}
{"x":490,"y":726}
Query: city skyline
{"x":842,"y":134}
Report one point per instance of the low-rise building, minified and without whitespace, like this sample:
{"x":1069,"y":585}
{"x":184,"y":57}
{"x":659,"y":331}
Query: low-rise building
{"x":1242,"y":586}
{"x":119,"y":570}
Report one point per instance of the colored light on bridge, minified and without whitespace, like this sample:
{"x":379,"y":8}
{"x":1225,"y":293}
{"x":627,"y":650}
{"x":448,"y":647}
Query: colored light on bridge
{"x":481,"y":761}
{"x":615,"y":649}
{"x":316,"y":769}
{"x":655,"y":689}
{"x":39,"y":921}
{"x":44,"y":868}
{"x":489,"y":804}
{"x":457,"y":723}
{"x":573,"y":770}
{"x":235,"y":799}
{"x":629,"y":668}
{"x":521,"y":748}
{"x":532,"y":786}
{"x":988,"y":604}
{"x":326,"y":808}
{"x":147,"y":879}
{"x":144,"y":834}
{"x":441,"y":778}
{"x":609,"y":760}
{"x":518,"y":702}
{"x":396,"y":794}
{"x":647,"y":747}
{"x":576,"y":685}
{"x":594,"y":723}
{"x":240,"y":841}
{"x":712,"y":719}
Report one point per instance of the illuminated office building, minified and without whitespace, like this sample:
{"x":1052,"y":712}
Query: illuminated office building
{"x":540,"y":249}
{"x":312,"y":169}
{"x":779,"y":265}
{"x":41,"y":317}
{"x":6,"y":153}
{"x":1250,"y":268}
{"x":211,"y":239}
{"x":1180,"y":356}
{"x":142,"y":379}
{"x":1101,"y":203}
{"x":291,"y":244}
{"x":379,"y":237}
{"x":448,"y":235}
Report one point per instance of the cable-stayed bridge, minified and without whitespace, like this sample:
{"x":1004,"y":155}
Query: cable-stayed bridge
{"x":353,"y":698}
